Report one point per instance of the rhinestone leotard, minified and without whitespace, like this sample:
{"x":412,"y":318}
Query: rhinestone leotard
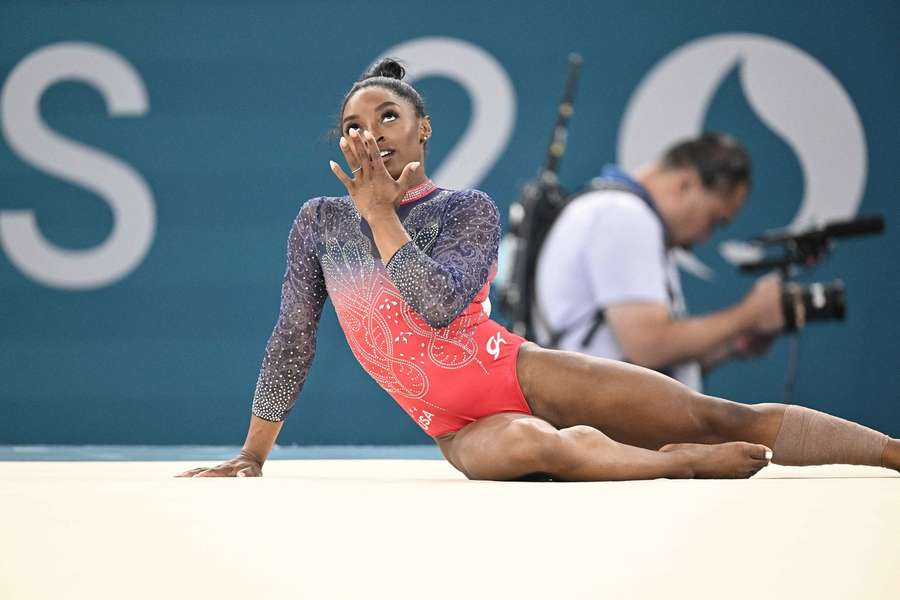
{"x":419,"y":326}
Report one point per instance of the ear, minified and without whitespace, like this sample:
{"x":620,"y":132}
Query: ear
{"x":425,"y":128}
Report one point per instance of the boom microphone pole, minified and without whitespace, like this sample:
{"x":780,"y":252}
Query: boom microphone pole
{"x":557,"y":146}
{"x":538,"y":203}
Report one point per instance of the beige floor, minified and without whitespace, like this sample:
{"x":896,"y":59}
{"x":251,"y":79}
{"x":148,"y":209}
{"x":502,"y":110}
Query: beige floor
{"x":416,"y":529}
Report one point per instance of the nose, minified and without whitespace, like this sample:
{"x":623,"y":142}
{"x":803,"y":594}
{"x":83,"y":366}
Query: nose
{"x":376,"y":133}
{"x":378,"y":137}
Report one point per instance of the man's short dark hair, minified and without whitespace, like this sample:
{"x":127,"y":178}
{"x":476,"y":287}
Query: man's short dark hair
{"x":721,"y":161}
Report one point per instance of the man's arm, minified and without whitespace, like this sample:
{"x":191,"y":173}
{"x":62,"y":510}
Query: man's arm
{"x":649,"y":337}
{"x":744,"y":347}
{"x":719,"y":356}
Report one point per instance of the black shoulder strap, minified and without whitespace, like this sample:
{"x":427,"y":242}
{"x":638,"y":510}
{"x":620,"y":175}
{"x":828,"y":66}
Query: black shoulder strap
{"x":597,"y":316}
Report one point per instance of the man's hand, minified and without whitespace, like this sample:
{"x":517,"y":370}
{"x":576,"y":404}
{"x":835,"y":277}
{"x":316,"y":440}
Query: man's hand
{"x":752,"y":346}
{"x":243,"y":465}
{"x":763,"y":305}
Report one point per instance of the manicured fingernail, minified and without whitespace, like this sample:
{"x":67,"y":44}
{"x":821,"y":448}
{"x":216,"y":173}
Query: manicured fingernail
{"x":332,"y":164}
{"x":768,"y":455}
{"x":416,"y":165}
{"x":343,"y":142}
{"x":353,"y":133}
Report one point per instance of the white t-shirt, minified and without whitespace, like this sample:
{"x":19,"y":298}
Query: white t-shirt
{"x":607,"y":247}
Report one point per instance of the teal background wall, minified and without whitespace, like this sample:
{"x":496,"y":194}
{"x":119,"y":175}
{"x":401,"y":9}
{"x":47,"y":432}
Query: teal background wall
{"x":234,"y":137}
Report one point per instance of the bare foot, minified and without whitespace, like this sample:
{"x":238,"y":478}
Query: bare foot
{"x":731,"y":460}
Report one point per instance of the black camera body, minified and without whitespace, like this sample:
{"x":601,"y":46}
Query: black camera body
{"x":819,"y":302}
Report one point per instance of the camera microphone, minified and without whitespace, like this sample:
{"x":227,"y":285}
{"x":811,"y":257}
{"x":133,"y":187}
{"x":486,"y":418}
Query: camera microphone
{"x":835,"y":229}
{"x":859,"y":226}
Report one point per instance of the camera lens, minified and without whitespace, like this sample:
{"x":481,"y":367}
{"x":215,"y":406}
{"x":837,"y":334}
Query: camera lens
{"x":821,"y":302}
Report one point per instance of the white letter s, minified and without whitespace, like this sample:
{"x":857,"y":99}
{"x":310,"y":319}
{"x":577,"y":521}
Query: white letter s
{"x":126,"y":192}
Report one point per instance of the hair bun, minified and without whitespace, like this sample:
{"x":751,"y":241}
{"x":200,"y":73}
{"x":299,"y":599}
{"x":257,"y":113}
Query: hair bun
{"x":386,"y":67}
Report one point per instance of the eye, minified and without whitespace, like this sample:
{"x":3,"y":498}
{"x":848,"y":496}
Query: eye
{"x":389,"y":116}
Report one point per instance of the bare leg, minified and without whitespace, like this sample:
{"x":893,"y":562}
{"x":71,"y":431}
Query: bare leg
{"x":634,"y":405}
{"x":640,"y":407}
{"x":508,"y":446}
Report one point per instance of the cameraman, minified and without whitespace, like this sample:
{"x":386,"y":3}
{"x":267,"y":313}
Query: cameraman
{"x":606,"y":280}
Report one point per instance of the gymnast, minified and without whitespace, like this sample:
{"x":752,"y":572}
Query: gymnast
{"x":407,"y":266}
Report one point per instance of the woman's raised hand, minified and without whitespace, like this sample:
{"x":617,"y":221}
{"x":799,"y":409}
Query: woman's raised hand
{"x":373,"y":190}
{"x":242,"y":465}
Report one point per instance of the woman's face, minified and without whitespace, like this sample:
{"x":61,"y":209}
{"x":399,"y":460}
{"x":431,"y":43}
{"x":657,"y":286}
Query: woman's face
{"x":392,"y":120}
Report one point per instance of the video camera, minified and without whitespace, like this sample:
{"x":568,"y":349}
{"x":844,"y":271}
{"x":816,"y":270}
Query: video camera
{"x":821,"y":301}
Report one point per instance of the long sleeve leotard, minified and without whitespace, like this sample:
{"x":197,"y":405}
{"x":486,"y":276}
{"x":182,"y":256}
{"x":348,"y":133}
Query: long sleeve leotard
{"x":418,"y":326}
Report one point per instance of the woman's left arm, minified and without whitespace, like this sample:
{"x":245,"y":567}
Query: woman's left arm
{"x":441,"y":285}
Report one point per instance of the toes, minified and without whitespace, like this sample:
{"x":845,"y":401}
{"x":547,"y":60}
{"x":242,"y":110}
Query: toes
{"x":760,"y":452}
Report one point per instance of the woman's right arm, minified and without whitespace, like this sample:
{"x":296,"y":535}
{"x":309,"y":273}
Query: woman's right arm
{"x":289,"y":351}
{"x":249,"y":461}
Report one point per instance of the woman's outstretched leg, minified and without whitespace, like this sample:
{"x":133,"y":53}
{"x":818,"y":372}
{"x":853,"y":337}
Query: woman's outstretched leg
{"x":640,"y":407}
{"x":510,"y":446}
{"x":634,"y":405}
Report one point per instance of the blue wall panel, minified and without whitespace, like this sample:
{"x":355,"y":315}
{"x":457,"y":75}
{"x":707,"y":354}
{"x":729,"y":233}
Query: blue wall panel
{"x":234,"y":137}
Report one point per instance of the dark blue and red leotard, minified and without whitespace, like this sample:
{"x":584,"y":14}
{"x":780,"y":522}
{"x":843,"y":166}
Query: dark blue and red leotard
{"x":419,"y":326}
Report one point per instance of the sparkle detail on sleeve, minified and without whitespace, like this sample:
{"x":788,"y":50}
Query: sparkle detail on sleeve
{"x":289,"y":352}
{"x":438,"y":273}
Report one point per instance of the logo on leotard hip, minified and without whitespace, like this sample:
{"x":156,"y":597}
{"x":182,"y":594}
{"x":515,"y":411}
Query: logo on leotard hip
{"x":493,"y":345}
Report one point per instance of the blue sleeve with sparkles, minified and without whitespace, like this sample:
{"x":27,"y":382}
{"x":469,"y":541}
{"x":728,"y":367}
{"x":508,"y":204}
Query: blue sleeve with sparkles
{"x":290,"y":350}
{"x":440,"y":285}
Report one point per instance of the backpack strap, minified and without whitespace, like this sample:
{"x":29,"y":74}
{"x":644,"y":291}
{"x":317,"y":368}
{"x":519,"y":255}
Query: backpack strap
{"x":597,"y":316}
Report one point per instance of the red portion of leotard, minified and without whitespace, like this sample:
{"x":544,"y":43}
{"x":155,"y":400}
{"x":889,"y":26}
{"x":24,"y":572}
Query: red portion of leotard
{"x":444,"y":378}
